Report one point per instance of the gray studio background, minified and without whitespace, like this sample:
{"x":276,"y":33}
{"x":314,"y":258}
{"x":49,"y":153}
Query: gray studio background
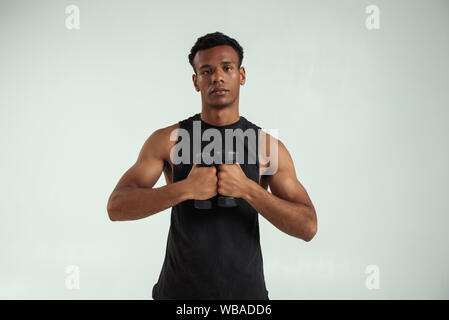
{"x":363,"y":113}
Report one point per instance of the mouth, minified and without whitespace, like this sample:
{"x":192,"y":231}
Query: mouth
{"x":219,"y":91}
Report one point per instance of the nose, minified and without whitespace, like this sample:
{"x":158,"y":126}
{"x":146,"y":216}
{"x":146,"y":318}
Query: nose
{"x":217,"y":76}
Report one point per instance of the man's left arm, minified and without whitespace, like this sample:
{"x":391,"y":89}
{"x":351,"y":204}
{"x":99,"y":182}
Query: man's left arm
{"x":288,"y":206}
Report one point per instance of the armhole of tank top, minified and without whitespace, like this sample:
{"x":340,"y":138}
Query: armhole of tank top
{"x":179,"y":127}
{"x":182,"y":124}
{"x":257,"y":154}
{"x":250,"y":125}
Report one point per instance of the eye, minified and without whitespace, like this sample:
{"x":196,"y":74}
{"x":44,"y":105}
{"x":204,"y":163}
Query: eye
{"x":228,"y":67}
{"x":204,"y":72}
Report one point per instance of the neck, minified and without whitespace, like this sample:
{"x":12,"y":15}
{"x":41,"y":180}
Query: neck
{"x":220,"y":117}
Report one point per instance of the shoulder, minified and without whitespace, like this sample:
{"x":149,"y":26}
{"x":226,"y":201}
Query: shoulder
{"x":160,"y":142}
{"x":164,"y":134}
{"x":273,"y":154}
{"x":269,"y":144}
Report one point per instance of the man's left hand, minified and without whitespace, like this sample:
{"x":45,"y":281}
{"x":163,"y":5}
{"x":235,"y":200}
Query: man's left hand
{"x":232,"y":181}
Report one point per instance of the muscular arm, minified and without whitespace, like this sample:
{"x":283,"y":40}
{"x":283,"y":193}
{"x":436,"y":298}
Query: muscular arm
{"x":134,"y":196}
{"x":288,"y":206}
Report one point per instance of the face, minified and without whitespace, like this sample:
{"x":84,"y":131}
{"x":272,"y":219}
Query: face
{"x":217,"y":67}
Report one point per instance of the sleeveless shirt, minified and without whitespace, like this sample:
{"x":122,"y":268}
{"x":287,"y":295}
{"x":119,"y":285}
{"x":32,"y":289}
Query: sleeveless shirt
{"x":213,"y":253}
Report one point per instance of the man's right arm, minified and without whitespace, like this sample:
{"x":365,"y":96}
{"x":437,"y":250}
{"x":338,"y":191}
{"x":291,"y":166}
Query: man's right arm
{"x":134,"y":196}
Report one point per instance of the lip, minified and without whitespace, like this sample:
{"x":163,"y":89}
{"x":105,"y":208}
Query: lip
{"x":219,"y":91}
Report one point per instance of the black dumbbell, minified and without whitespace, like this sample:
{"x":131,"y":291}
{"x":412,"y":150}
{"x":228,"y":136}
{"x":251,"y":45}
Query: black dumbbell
{"x":222,"y":201}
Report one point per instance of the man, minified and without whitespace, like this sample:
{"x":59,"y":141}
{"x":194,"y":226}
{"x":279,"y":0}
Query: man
{"x":214,"y":253}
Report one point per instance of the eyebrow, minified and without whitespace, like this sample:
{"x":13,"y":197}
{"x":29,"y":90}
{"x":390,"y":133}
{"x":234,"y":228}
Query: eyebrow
{"x":223,"y":62}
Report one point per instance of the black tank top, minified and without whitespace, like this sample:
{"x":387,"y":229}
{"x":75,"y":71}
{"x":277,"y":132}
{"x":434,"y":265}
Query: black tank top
{"x":213,"y":253}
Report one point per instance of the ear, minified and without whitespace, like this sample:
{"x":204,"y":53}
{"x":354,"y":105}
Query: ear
{"x":195,"y":84}
{"x":242,"y":76}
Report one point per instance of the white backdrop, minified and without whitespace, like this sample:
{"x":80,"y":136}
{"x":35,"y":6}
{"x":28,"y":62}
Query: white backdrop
{"x":362,"y":111}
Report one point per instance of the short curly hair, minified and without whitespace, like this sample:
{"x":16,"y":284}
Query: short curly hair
{"x":212,"y":40}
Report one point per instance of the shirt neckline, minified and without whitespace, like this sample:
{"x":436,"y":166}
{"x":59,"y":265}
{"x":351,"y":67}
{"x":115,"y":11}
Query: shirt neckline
{"x":231,"y":125}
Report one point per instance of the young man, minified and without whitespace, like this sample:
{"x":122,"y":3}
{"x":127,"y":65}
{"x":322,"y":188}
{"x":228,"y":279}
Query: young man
{"x":214,"y":253}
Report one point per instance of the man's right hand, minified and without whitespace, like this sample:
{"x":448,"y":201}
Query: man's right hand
{"x":203,"y":182}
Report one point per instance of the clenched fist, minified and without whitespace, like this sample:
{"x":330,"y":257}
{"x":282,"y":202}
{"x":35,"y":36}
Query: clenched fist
{"x":203,"y":182}
{"x":232,"y":181}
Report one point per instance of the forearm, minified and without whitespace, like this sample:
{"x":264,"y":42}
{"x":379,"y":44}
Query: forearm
{"x":295,"y":219}
{"x":136,"y":203}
